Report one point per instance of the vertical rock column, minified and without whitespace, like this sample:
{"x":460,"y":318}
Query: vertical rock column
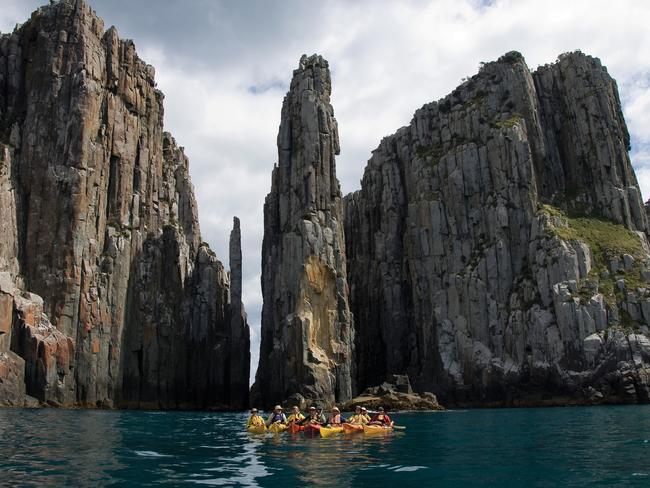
{"x":307,"y":327}
{"x":240,"y":356}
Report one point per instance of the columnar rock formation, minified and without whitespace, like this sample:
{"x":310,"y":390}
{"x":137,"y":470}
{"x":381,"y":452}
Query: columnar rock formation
{"x":497,"y":248}
{"x":307,"y":331}
{"x":98,"y":217}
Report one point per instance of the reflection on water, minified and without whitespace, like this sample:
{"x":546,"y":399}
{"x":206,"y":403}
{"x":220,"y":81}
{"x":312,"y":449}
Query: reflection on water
{"x":327,"y":462}
{"x":604,"y":446}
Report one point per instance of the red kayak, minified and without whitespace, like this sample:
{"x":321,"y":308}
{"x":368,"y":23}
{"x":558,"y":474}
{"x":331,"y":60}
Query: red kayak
{"x":312,"y":429}
{"x":294,"y":428}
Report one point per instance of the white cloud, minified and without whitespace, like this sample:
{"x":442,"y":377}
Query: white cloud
{"x":387,"y":59}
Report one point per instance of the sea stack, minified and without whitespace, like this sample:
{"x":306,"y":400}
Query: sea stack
{"x":108,"y":296}
{"x":307,"y":328}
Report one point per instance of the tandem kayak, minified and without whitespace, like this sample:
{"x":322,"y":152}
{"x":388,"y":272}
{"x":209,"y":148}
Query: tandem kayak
{"x":352,"y":428}
{"x":257,"y":429}
{"x":376,"y":429}
{"x":329,"y":431}
{"x":312,"y":429}
{"x":277,"y":428}
{"x":295,"y":428}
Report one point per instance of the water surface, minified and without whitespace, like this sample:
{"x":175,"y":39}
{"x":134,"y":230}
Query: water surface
{"x":571,"y":447}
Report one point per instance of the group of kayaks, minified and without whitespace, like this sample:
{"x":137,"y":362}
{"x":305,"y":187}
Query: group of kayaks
{"x":315,"y":430}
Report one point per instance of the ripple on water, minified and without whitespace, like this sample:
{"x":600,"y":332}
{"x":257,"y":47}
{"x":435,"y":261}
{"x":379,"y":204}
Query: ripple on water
{"x":535,"y":447}
{"x":152,"y":454}
{"x":408,"y":469}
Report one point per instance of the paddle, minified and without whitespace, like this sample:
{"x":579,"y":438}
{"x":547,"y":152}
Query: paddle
{"x":399,"y":427}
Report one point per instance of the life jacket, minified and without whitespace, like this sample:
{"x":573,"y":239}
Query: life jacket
{"x":335,"y":419}
{"x":385,"y":419}
{"x":255,"y":420}
{"x":278,"y":417}
{"x":295,"y":417}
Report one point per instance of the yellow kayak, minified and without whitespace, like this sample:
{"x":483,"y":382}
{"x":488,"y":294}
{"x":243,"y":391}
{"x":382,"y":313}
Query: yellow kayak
{"x":329,"y":431}
{"x":376,"y":429}
{"x":257,"y":429}
{"x":277,"y":428}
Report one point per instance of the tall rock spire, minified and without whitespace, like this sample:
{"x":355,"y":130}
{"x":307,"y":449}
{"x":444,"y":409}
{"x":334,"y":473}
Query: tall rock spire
{"x":239,"y":332}
{"x":307,"y":327}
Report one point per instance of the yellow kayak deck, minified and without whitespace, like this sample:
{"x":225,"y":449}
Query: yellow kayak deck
{"x":376,"y":429}
{"x":257,"y":429}
{"x":330,"y":431}
{"x":277,"y":428}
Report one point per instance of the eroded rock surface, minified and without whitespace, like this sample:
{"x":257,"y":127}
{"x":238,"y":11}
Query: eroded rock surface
{"x":497,"y":249}
{"x":98,"y":217}
{"x":307,"y":328}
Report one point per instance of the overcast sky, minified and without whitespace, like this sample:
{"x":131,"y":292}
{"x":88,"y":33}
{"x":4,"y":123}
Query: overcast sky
{"x":225,"y":66}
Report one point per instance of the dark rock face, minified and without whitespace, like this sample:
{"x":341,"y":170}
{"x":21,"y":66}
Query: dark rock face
{"x":497,"y":249}
{"x":98,"y":217}
{"x":307,"y":329}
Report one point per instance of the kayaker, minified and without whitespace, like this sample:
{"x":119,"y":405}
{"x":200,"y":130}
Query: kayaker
{"x":276,"y":416}
{"x":254,"y":420}
{"x":381,"y":418}
{"x":321,"y":416}
{"x":364,"y":414}
{"x":335,"y":417}
{"x":313,"y":417}
{"x":295,"y":417}
{"x":358,"y":417}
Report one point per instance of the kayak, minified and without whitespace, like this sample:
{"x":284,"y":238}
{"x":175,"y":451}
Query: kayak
{"x":329,"y":431}
{"x":352,"y":428}
{"x":294,"y":428}
{"x":376,"y":429}
{"x":312,"y":429}
{"x":277,"y":428}
{"x":257,"y":429}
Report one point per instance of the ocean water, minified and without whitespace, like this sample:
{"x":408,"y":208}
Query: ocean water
{"x":552,"y":447}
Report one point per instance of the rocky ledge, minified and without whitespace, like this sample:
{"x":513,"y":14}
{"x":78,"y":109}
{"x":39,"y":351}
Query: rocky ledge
{"x":394,"y":394}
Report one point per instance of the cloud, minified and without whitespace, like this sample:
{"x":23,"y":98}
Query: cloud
{"x":224,"y":68}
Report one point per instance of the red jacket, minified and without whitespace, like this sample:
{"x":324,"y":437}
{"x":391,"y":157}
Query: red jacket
{"x":385,"y":420}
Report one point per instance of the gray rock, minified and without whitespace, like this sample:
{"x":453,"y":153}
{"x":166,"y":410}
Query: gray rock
{"x":458,"y":272}
{"x":307,"y":327}
{"x":98,"y":217}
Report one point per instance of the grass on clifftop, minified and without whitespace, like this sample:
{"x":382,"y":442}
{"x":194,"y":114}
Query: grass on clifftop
{"x":604,"y":237}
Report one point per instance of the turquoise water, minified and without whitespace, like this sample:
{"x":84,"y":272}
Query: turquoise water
{"x":597,"y":446}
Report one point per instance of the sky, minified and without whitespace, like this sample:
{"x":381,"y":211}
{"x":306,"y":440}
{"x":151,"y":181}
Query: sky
{"x":225,"y":67}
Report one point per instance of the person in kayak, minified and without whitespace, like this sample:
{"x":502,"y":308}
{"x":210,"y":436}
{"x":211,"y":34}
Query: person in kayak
{"x":381,"y":418}
{"x":295,"y":417}
{"x":255,"y":420}
{"x":321,"y":416}
{"x":277,"y":416}
{"x":358,"y":417}
{"x":364,"y":414}
{"x":312,"y":418}
{"x":335,"y":417}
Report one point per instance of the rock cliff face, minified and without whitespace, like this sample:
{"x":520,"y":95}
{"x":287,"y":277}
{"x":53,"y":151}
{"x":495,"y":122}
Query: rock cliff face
{"x":497,"y":249}
{"x":98,"y":217}
{"x":307,"y":329}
